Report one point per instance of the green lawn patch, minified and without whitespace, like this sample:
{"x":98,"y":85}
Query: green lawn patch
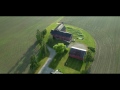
{"x":66,"y":64}
{"x":74,"y":63}
{"x":62,"y":61}
{"x":41,"y":63}
{"x":70,"y":65}
{"x":81,"y":35}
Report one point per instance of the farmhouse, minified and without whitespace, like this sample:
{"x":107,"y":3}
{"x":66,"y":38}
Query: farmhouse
{"x":60,"y":33}
{"x":77,"y":53}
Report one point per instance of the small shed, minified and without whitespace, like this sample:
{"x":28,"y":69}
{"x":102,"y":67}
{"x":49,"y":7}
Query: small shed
{"x":56,"y":72}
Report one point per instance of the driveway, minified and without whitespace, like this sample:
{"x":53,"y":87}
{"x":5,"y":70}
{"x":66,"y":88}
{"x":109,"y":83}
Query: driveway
{"x":45,"y":69}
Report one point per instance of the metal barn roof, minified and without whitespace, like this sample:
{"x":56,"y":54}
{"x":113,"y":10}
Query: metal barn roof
{"x":60,"y":27}
{"x":64,"y":34}
{"x":79,"y":48}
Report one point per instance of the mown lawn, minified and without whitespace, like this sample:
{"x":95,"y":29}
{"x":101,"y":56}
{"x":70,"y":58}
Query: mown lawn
{"x":73,"y":66}
{"x":69,"y":65}
{"x":84,"y":36}
{"x":41,"y":63}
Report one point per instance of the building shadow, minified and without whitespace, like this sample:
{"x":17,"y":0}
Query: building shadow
{"x":24,"y":62}
{"x":73,"y":63}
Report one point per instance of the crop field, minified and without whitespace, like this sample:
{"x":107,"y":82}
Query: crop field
{"x":18,"y":41}
{"x":106,"y":32}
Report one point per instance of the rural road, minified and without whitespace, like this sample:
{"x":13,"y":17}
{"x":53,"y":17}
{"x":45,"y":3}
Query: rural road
{"x":45,"y":69}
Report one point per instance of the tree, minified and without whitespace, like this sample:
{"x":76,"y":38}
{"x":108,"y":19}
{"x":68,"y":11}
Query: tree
{"x":50,"y":40}
{"x":66,"y":50}
{"x":44,"y":32}
{"x":59,"y":48}
{"x":44,"y":49}
{"x":88,"y":57}
{"x":39,"y":37}
{"x":33,"y":62}
{"x":92,"y":49}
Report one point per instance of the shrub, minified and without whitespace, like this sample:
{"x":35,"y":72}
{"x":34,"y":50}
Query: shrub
{"x":92,"y":49}
{"x":66,"y":50}
{"x":60,"y":47}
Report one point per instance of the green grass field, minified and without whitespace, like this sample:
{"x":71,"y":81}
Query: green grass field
{"x":18,"y":41}
{"x":77,"y":32}
{"x":106,"y":32}
{"x":73,"y":66}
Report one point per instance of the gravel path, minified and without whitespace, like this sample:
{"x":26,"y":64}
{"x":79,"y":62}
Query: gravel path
{"x":45,"y":69}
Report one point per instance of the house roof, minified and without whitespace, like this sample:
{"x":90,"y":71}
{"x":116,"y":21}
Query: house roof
{"x":60,"y":27}
{"x":79,"y":48}
{"x":77,"y":51}
{"x":61,"y":33}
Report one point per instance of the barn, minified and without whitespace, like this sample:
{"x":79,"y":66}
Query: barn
{"x":61,"y":27}
{"x":77,"y":53}
{"x":60,"y":33}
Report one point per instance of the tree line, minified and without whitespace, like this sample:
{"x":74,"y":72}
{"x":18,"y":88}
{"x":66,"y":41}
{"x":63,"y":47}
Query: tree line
{"x":34,"y":61}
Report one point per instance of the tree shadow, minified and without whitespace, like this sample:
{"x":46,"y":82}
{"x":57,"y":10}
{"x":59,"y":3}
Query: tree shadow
{"x":88,"y":70}
{"x":24,"y":61}
{"x":56,"y":60}
{"x":73,"y":63}
{"x":56,"y":41}
{"x":40,"y":55}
